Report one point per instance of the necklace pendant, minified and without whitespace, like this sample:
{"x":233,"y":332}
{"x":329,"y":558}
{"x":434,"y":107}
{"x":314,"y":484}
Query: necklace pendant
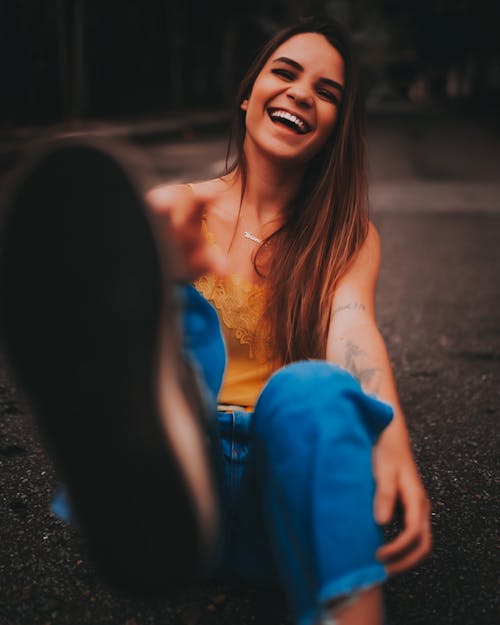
{"x":252,"y":237}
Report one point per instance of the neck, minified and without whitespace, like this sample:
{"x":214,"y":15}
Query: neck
{"x":270,"y":186}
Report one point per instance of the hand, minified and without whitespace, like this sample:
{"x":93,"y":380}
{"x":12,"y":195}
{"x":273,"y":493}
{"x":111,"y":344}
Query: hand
{"x":397,"y":478}
{"x":177,"y":215}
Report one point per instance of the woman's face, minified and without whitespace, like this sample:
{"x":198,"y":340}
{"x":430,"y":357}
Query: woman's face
{"x":293,"y":106}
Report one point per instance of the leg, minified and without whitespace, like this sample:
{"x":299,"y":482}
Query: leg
{"x":89,"y":325}
{"x":314,"y":432}
{"x":202,"y":341}
{"x":367,"y":609}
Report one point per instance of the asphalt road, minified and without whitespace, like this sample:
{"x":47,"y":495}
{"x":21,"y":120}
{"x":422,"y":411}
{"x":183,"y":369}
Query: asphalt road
{"x":439,"y":310}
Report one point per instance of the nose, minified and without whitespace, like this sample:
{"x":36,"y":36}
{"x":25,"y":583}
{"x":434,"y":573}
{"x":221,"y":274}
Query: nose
{"x":300,"y":94}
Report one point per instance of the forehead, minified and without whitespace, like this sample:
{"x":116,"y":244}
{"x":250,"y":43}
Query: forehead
{"x":315,"y":53}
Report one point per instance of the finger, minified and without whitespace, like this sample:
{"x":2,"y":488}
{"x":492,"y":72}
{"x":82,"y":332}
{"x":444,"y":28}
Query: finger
{"x":414,"y":521}
{"x":185,"y":212}
{"x":385,"y":499}
{"x":193,"y":211}
{"x":416,"y":518}
{"x":410,"y":559}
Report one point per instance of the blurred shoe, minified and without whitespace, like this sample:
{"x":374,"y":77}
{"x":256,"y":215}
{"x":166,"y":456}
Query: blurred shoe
{"x":90,"y":327}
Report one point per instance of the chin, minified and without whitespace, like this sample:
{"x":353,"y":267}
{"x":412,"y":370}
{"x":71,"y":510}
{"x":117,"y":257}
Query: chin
{"x":278,"y":150}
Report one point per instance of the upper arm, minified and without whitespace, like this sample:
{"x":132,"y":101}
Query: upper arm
{"x":353,"y":302}
{"x":354,"y":340}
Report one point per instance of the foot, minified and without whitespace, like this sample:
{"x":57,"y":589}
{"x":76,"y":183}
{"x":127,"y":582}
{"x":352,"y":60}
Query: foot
{"x":90,"y":326}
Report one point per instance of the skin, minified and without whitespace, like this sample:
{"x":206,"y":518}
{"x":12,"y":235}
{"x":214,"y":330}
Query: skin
{"x":303,"y":92}
{"x":355,"y":343}
{"x":276,"y":158}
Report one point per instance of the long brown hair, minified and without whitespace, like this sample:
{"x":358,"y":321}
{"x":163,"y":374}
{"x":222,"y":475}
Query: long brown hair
{"x":326,"y":223}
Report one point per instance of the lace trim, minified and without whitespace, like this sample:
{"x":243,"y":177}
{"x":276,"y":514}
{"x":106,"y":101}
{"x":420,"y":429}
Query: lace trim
{"x":240,"y":304}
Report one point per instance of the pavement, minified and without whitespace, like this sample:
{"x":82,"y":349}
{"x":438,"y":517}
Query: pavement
{"x":435,"y":195}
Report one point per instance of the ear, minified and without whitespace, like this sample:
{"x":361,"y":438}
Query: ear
{"x":244,"y":105}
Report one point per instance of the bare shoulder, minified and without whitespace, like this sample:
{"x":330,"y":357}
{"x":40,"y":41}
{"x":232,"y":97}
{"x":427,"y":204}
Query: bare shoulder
{"x":354,"y":297}
{"x":366,"y":264}
{"x":370,"y":251}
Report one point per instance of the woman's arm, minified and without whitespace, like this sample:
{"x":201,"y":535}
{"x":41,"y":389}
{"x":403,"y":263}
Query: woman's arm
{"x":355,"y":343}
{"x":177,"y":212}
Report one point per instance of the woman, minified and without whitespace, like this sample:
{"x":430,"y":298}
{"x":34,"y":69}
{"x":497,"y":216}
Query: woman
{"x":290,"y":218}
{"x":283,"y":248}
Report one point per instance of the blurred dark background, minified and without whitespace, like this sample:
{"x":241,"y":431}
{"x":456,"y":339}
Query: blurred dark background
{"x":68,"y":60}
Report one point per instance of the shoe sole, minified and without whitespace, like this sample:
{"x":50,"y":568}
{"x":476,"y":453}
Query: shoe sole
{"x":89,"y":324}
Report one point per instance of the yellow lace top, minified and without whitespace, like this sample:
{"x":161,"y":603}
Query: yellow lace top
{"x":250,"y":362}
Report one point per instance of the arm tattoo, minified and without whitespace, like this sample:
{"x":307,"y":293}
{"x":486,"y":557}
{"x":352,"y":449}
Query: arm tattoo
{"x":367,"y":376}
{"x":350,"y":306}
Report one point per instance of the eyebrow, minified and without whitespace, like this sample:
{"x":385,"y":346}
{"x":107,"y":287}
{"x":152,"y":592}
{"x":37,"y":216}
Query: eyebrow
{"x":298,"y":67}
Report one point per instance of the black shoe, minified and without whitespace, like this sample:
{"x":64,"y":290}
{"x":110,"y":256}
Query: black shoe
{"x":89,"y":323}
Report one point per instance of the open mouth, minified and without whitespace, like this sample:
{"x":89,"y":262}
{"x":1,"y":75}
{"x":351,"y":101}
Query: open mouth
{"x":280,"y":116}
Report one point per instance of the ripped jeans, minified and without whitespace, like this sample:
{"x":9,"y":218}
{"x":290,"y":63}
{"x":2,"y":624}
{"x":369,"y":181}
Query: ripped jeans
{"x":297,"y":478}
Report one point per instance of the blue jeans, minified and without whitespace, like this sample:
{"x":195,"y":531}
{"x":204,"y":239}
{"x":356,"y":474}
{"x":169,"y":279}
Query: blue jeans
{"x":296,"y":475}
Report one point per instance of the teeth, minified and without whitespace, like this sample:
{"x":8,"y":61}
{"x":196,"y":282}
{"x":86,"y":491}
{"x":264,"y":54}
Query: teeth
{"x":278,"y":114}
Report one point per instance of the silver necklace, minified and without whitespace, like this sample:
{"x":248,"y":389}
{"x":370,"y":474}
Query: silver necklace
{"x":252,"y":237}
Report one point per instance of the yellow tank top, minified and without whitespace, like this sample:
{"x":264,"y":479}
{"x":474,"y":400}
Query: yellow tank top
{"x":250,"y":363}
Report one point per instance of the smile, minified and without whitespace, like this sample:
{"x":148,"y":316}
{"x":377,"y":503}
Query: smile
{"x":296,"y":123}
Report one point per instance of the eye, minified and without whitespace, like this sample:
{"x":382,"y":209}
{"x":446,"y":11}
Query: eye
{"x":284,"y":73}
{"x":328,"y":95}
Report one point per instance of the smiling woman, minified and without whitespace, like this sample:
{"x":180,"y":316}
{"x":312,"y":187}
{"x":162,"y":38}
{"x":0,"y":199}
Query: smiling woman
{"x":283,"y":470}
{"x":291,"y":91}
{"x":311,"y":76}
{"x":290,"y":221}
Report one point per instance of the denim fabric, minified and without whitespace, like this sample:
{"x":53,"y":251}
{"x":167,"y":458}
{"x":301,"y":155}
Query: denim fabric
{"x":306,"y":497}
{"x":203,"y":341}
{"x":295,"y":474}
{"x":247,"y":552}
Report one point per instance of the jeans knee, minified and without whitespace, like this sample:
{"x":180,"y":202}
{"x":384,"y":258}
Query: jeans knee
{"x":308,"y":382}
{"x":318,"y":391}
